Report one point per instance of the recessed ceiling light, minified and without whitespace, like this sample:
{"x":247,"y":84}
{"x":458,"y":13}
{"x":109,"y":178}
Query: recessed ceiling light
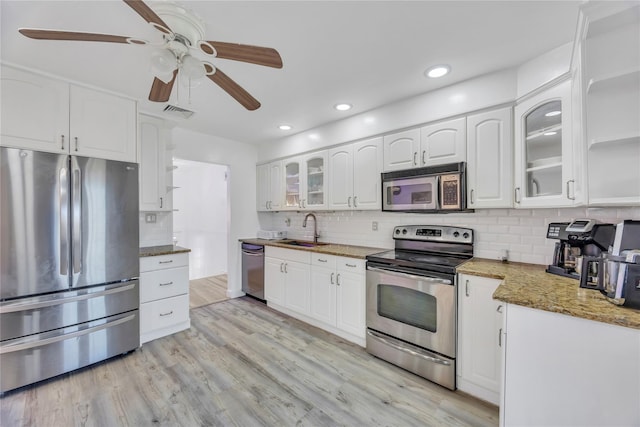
{"x":437,"y":71}
{"x":553,"y":113}
{"x":285,"y":127}
{"x":342,"y":107}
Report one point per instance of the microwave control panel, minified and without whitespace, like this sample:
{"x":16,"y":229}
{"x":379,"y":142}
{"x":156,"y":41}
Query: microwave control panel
{"x":450,"y":190}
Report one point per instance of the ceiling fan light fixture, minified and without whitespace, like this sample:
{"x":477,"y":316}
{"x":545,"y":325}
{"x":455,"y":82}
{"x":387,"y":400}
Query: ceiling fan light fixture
{"x":163,"y":61}
{"x":192,"y":68}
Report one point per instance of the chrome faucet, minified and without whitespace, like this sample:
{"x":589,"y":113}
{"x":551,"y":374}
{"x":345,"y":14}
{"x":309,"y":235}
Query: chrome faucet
{"x":315,"y":226}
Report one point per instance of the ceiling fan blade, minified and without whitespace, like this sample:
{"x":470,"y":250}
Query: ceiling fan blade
{"x":161,"y":91}
{"x":233,"y":89}
{"x":246,"y":53}
{"x":147,"y":14}
{"x":69,"y":35}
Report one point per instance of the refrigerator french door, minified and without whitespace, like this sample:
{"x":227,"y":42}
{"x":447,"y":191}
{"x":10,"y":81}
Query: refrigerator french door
{"x":69,"y":290}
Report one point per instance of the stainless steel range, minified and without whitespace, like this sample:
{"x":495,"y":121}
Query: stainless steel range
{"x":411,"y":300}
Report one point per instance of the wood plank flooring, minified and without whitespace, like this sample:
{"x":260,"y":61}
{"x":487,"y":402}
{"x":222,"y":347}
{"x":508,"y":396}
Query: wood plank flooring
{"x":207,"y":290}
{"x":243,"y":364}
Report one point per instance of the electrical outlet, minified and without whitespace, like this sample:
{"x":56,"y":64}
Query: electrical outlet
{"x":374,"y":225}
{"x":150,"y":218}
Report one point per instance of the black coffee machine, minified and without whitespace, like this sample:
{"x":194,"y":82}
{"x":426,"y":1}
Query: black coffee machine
{"x":582,"y":237}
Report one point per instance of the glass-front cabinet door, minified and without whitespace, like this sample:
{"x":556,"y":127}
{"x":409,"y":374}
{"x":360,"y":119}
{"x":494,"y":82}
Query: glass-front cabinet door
{"x":544,"y":150}
{"x":292,"y":183}
{"x":315,"y":189}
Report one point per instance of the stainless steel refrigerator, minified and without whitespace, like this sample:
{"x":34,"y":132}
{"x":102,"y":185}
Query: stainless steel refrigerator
{"x":69,"y":289}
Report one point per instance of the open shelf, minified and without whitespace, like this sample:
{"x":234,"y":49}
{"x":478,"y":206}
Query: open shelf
{"x":615,"y":140}
{"x":624,"y":78}
{"x":541,"y":132}
{"x":544,"y":167}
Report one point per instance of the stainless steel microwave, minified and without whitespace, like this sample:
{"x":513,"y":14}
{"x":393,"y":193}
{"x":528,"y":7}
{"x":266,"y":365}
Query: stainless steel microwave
{"x":432,"y":189}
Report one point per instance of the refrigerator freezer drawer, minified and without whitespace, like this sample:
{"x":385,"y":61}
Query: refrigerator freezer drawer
{"x":34,"y":315}
{"x":37,"y":357}
{"x":163,"y":317}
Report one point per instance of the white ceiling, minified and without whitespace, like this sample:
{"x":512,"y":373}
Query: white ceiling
{"x":367,"y":53}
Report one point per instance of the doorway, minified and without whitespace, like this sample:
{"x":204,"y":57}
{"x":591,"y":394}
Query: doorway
{"x":201,"y":223}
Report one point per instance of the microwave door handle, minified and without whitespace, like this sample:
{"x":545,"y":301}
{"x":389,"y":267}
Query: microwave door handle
{"x":438,"y":192}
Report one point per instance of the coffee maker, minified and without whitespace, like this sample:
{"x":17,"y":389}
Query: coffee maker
{"x":578,"y":239}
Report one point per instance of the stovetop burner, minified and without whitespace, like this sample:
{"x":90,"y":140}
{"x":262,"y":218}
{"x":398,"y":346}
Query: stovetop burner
{"x":428,"y":248}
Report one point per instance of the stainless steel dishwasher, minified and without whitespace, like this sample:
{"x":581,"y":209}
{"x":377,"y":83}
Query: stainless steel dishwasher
{"x":253,"y":270}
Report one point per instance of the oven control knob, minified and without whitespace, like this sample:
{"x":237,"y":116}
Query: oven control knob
{"x":397,"y":231}
{"x":456,"y":234}
{"x":465,"y":235}
{"x":404,"y":231}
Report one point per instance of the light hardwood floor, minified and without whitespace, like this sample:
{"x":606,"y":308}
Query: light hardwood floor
{"x":207,"y":290}
{"x":243,"y":364}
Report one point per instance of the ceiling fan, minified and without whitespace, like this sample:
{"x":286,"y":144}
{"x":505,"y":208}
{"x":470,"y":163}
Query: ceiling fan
{"x":181,"y":31}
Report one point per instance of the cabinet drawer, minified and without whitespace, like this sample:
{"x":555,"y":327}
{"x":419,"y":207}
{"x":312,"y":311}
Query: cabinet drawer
{"x":288,"y":254}
{"x":163,"y":283}
{"x":353,"y":265}
{"x":163,"y":313}
{"x":164,"y":261}
{"x":324,"y":260}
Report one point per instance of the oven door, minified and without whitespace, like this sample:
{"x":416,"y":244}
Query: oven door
{"x":414,"y":308}
{"x":410,"y":194}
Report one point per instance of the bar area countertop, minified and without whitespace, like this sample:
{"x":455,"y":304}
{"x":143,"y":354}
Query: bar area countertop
{"x":323,"y":248}
{"x":162,"y":250}
{"x":528,"y":285}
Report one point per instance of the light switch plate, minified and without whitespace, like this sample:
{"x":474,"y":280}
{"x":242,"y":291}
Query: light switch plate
{"x":150,"y":218}
{"x":374,"y":225}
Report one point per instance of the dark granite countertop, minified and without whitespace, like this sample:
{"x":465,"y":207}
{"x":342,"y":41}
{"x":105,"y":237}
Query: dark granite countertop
{"x":162,"y":250}
{"x":528,"y":285}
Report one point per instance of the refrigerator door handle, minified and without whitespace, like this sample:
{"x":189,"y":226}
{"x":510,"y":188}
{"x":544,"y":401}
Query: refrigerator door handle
{"x":10,"y":348}
{"x":77,"y":221}
{"x":64,"y":221}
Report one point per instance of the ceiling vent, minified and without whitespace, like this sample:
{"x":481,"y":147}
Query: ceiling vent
{"x":178,"y":112}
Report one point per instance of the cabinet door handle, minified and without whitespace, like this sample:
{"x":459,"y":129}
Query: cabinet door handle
{"x":161,"y":201}
{"x":338,"y":279}
{"x":349,"y":201}
{"x":517,"y":194}
{"x":355,"y":201}
{"x":62,"y":142}
{"x":282,"y":267}
{"x":332,"y":274}
{"x":471,"y":196}
{"x":499,"y":309}
{"x":415,"y":158}
{"x":500,"y":337}
{"x":466,"y":287}
{"x":424,"y":153}
{"x":568,"y":190}
{"x":76,"y":138}
{"x":165,"y":284}
{"x":285,"y":268}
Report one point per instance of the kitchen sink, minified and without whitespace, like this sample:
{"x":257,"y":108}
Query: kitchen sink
{"x":302,"y":243}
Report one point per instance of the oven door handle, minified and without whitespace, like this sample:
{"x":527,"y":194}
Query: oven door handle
{"x":410,"y":276}
{"x":425,"y":355}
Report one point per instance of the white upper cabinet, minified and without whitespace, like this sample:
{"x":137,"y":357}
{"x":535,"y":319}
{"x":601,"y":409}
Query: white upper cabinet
{"x":269,"y":186}
{"x":544,"y":151}
{"x":154,"y":165}
{"x":35,"y":111}
{"x":490,"y":159}
{"x":434,"y":144}
{"x":314,"y":194}
{"x":443,"y":142}
{"x":354,"y":175}
{"x":401,"y":150}
{"x":44,"y":114}
{"x":610,"y":53}
{"x":293,"y":183}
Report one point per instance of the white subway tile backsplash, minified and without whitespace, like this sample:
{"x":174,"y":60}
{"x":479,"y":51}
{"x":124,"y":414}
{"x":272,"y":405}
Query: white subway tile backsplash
{"x":520,"y":231}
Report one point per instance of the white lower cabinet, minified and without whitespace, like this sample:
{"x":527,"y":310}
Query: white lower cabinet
{"x":326,"y":291}
{"x":286,"y":279}
{"x":479,"y":338}
{"x":164,"y":295}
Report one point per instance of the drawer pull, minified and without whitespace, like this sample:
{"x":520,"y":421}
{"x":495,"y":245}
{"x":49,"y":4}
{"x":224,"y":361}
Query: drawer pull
{"x":165,"y":284}
{"x":166,"y":314}
{"x":351,"y":265}
{"x":322,"y":260}
{"x":165,"y":262}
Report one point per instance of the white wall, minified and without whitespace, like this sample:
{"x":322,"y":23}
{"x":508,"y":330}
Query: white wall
{"x":200,"y":219}
{"x":521,"y":231}
{"x":241,"y":159}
